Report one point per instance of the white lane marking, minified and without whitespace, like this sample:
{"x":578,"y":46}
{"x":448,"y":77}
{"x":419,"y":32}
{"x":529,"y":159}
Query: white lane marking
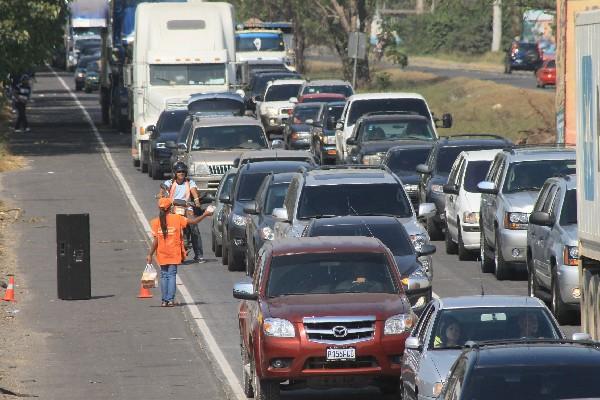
{"x":209,"y":339}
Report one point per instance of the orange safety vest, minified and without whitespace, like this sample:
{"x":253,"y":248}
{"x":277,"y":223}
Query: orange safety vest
{"x":172,"y":189}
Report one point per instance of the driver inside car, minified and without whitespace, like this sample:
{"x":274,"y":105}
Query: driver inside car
{"x":360,"y":280}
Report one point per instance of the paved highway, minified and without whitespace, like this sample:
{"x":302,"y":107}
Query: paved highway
{"x":116,"y":345}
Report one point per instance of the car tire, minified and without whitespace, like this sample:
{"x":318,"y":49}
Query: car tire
{"x":224,"y":251}
{"x":150,"y":166}
{"x":532,"y":283}
{"x":136,"y":163}
{"x":463,"y":253}
{"x":265,"y":389}
{"x":563,"y":315}
{"x":212,"y":242}
{"x":434,"y":232}
{"x":486,"y":264}
{"x":246,"y":377}
{"x":234,"y":263}
{"x":143,"y":163}
{"x":501,"y":267}
{"x":218,"y":249}
{"x":155,"y":172}
{"x":249,"y":263}
{"x":389,"y":386}
{"x":451,"y":247}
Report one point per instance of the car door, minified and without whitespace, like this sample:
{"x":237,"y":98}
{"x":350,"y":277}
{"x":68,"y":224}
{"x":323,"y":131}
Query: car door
{"x":488,"y":201}
{"x":412,"y":358}
{"x":451,"y":199}
{"x":540,"y":263}
{"x":431,"y":158}
{"x":533,"y":230}
{"x":339,"y":133}
{"x":545,"y":237}
{"x":282,"y":228}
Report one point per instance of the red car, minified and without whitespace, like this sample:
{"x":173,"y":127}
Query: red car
{"x":322,"y":312}
{"x":321,"y":98}
{"x":546,"y":75}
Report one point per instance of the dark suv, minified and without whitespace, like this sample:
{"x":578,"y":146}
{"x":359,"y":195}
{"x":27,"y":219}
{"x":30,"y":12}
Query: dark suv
{"x":323,"y":132}
{"x":522,"y":56}
{"x":167,"y":129}
{"x":434,"y":173}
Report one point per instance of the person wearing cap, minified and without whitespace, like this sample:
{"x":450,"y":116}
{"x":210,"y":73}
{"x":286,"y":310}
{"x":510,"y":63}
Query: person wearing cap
{"x":168,"y":245}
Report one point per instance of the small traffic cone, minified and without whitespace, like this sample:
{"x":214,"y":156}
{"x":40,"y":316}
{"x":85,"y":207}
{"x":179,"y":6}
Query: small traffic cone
{"x":144,"y":293}
{"x":10,"y":290}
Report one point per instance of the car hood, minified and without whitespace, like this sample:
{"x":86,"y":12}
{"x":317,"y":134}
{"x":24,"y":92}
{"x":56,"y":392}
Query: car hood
{"x":407,"y":264}
{"x":380,"y":146}
{"x":294,"y":308}
{"x":275,"y":104}
{"x":215,"y":156}
{"x":521,"y":201}
{"x":437,"y":363}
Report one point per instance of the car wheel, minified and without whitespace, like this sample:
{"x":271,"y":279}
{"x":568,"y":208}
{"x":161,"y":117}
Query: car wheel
{"x":144,"y":163}
{"x":212,"y":242}
{"x":485,"y":262}
{"x":390,"y":386}
{"x":249,"y":263}
{"x":501,"y":267}
{"x":532,"y":284}
{"x":265,"y":389}
{"x":563,"y":315}
{"x":451,"y":247}
{"x":434,"y":232}
{"x":136,"y":163}
{"x":218,"y":249}
{"x":150,"y":166}
{"x":246,"y":372}
{"x":463,"y":253}
{"x":156,"y":173}
{"x":224,"y":251}
{"x":234,"y":263}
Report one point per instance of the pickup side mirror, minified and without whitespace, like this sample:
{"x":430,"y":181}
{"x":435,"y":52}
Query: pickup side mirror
{"x":426,"y":250}
{"x":447,"y":120}
{"x":487,"y":187}
{"x":181,"y":147}
{"x":251,"y":208}
{"x":280,"y":214}
{"x":412,"y":343}
{"x":224,"y":198}
{"x":277,"y":144}
{"x":450,"y":188}
{"x":427,"y":210}
{"x":423,"y":169}
{"x":351,"y":142}
{"x":541,"y":218}
{"x":244,"y":291}
{"x":150,"y":128}
{"x":170,"y":144}
{"x":339,"y":125}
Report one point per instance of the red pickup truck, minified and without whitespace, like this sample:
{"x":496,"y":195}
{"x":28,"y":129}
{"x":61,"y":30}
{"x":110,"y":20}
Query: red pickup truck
{"x":322,"y":312}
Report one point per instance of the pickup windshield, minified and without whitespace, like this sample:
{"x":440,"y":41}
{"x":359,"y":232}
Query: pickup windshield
{"x":396,"y":130}
{"x":358,"y":108}
{"x":300,"y":274}
{"x":354,"y":199}
{"x":229,"y":137}
{"x":259,"y":42}
{"x":531,"y":175}
{"x":187,"y":74}
{"x":281,"y":92}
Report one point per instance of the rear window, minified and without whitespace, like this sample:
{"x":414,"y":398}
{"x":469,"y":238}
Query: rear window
{"x":476,"y":172}
{"x":359,"y":108}
{"x":301,"y":114}
{"x":551,"y":64}
{"x":396,"y":130}
{"x":282,"y":92}
{"x":531,"y":175}
{"x":344,"y":90}
{"x":172,"y":121}
{"x":404,"y":162}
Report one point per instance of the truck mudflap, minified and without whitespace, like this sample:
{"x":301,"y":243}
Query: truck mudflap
{"x":590,"y":301}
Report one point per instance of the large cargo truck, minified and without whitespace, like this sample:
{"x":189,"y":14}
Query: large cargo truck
{"x":586,"y":97}
{"x":179,"y":49}
{"x":86,"y":20}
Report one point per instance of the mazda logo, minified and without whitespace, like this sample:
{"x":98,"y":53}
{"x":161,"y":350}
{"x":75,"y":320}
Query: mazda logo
{"x":340,"y":331}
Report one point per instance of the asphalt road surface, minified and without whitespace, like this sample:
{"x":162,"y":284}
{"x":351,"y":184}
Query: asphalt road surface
{"x":117,"y":346}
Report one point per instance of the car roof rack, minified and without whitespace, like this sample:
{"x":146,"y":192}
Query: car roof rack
{"x":353,"y":166}
{"x":475,"y":136}
{"x":512,"y":148}
{"x":382,"y":113}
{"x":471,"y":344}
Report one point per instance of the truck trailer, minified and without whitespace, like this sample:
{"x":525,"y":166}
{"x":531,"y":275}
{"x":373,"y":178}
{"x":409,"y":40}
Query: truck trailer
{"x":586,"y":97}
{"x":86,"y":20}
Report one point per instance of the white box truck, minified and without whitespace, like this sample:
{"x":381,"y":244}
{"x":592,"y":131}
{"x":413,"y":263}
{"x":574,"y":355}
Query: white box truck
{"x":587,"y":77}
{"x":179,"y":49}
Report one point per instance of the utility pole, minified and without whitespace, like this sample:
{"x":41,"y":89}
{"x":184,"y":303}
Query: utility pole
{"x":419,"y":7}
{"x":496,"y":25}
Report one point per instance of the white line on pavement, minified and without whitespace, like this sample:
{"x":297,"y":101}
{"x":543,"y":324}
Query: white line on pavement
{"x":209,"y":339}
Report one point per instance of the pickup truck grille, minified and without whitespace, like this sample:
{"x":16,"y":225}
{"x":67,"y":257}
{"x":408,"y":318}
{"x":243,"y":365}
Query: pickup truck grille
{"x":219,"y":169}
{"x":339,"y":330}
{"x":321,"y":363}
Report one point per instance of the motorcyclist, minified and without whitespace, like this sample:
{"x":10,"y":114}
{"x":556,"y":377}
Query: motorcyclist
{"x":181,"y":187}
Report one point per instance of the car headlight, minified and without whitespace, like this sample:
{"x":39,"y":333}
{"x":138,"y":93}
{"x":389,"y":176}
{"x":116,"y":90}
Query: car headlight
{"x":160,"y":146}
{"x":199,"y":169}
{"x":267,"y":233}
{"x":278,"y":327}
{"x":439,"y":189}
{"x":80,"y":74}
{"x":238,"y":220}
{"x":329,"y":139}
{"x":418,"y":240}
{"x":371,"y":159}
{"x":571,"y":255}
{"x":471,"y":217}
{"x":516,"y":220}
{"x":398,"y":324}
{"x":271,"y":111}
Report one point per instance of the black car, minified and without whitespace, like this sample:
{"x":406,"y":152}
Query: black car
{"x":258,"y":84}
{"x":402,"y":160}
{"x":80,"y":70}
{"x":260,"y":221}
{"x":374,"y":135}
{"x":180,"y":143}
{"x":416,"y":278}
{"x":522,"y":56}
{"x":167,"y":129}
{"x":244,"y":190}
{"x":434,"y":173}
{"x":296,"y":132}
{"x":323,"y":132}
{"x":525,"y":369}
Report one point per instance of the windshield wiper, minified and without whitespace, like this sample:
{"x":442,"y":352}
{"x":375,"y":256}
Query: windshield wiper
{"x":320,"y":216}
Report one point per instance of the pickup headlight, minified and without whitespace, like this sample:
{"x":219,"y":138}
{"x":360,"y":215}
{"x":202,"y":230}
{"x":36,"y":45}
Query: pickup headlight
{"x":278,"y":327}
{"x":238,"y":220}
{"x":471,"y":218}
{"x":371,"y":159}
{"x":516,"y":220}
{"x":418,"y":240}
{"x":398,"y":324}
{"x":199,"y":169}
{"x":266,"y":233}
{"x":439,"y":189}
{"x":571,"y":255}
{"x":271,"y":111}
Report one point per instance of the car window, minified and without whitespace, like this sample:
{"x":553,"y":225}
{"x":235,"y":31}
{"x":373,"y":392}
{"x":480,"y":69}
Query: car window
{"x":568,"y":214}
{"x":542,"y":197}
{"x":338,"y":89}
{"x":372,"y":131}
{"x":301,"y":114}
{"x":531,"y":175}
{"x":551,"y":64}
{"x":475,"y":173}
{"x":549,"y":198}
{"x":275,"y":197}
{"x":229,"y":137}
{"x":249,"y":185}
{"x":333,"y":111}
{"x":422,"y":335}
{"x":404,"y":162}
{"x":446,"y":157}
{"x":281,"y":92}
{"x":172,"y":121}
{"x":225,"y":186}
{"x":301,"y":274}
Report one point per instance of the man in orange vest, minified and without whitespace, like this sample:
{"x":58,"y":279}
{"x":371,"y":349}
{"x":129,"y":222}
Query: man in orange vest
{"x":180,"y":187}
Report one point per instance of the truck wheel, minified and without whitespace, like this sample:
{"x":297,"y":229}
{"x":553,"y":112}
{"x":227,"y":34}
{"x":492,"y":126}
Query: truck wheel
{"x":463,"y":253}
{"x":451,"y":247}
{"x":390,"y":386}
{"x":563,"y":315}
{"x":485,"y":262}
{"x":532,"y":283}
{"x":247,"y":368}
{"x":265,"y":389}
{"x":501,"y":267}
{"x":218,"y":249}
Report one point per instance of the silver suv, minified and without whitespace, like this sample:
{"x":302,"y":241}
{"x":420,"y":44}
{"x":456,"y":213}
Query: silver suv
{"x":508,"y":193}
{"x":552,"y":251}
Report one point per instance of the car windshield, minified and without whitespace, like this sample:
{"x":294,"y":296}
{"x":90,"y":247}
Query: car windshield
{"x":454,"y":327}
{"x":404,"y":162}
{"x":282,"y":92}
{"x":249,"y":185}
{"x":568,"y":214}
{"x":301,"y":114}
{"x":358,"y":108}
{"x":275,"y":196}
{"x":259,"y":42}
{"x":354,"y":199}
{"x":475,"y":173}
{"x":172,"y":121}
{"x":187,"y":74}
{"x":260,"y":82}
{"x":559,"y":380}
{"x":322,"y":273}
{"x":531,"y":175}
{"x":344,"y":90}
{"x":393,"y":235}
{"x":396,"y":130}
{"x":229,"y":137}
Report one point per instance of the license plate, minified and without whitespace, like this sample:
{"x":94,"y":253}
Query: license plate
{"x":334,"y":354}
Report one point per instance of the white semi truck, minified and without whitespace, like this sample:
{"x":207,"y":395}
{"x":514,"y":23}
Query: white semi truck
{"x":179,"y":49}
{"x":587,"y":77}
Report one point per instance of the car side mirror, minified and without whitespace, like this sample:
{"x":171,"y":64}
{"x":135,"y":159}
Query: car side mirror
{"x":151,"y":128}
{"x":309,"y":122}
{"x":412,"y":343}
{"x":277,"y":144}
{"x":257,"y":98}
{"x":427,"y":210}
{"x":487,"y":187}
{"x":170,"y":144}
{"x":244,"y":291}
{"x":447,"y":121}
{"x":426,"y":250}
{"x":351,"y":142}
{"x":423,"y":169}
{"x":339,"y":125}
{"x":293,"y":100}
{"x":450,"y":188}
{"x":280,"y":214}
{"x":224,"y":198}
{"x":251,"y":208}
{"x":541,"y":218}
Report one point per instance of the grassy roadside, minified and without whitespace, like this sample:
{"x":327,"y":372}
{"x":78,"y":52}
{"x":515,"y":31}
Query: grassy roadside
{"x":477,"y":106}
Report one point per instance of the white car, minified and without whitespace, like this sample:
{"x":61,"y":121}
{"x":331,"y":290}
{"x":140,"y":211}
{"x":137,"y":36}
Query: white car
{"x":463,"y":201}
{"x":274,"y":107}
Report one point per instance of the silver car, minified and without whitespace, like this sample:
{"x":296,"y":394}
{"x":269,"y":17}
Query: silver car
{"x":447,"y":324}
{"x":217,"y":221}
{"x":552,"y":251}
{"x":508,"y":193}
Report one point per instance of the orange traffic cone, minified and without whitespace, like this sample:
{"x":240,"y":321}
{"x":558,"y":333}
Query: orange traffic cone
{"x":144,"y":293}
{"x":10,"y":290}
